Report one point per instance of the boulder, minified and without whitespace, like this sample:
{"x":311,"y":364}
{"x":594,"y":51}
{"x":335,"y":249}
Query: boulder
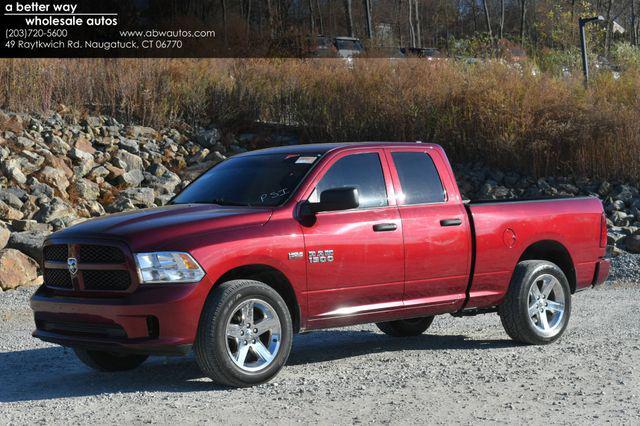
{"x":165,"y":184}
{"x":131,"y":178}
{"x":84,"y":145}
{"x":208,"y":137}
{"x":86,"y":190}
{"x":141,"y":131}
{"x":16,"y":269}
{"x":55,"y":178}
{"x":29,"y":243}
{"x":9,"y":213}
{"x":12,"y":123}
{"x":11,"y":199}
{"x":133,"y":198}
{"x":632,"y":244}
{"x":129,"y":161}
{"x":130,"y":145}
{"x":29,"y":225}
{"x":57,"y":145}
{"x":4,"y":235}
{"x":11,"y":168}
{"x":56,"y":209}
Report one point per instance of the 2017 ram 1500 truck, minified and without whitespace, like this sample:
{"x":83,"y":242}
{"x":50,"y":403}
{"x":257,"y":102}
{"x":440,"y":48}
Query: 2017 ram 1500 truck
{"x":283,"y":240}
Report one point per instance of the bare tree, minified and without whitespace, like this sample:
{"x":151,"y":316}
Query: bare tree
{"x":398,"y":13}
{"x":320,"y":16}
{"x":488,"y":18}
{"x":224,"y":21}
{"x":367,"y":17}
{"x":249,"y":17}
{"x":312,"y":20}
{"x":523,"y":16}
{"x":348,"y":10}
{"x":608,"y":33}
{"x":418,"y":25}
{"x":501,"y":19}
{"x":474,"y":12}
{"x":412,"y":32}
{"x":634,"y":25}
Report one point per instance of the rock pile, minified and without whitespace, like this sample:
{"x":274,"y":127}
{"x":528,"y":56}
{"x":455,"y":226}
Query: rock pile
{"x":58,"y":170}
{"x":621,"y":201}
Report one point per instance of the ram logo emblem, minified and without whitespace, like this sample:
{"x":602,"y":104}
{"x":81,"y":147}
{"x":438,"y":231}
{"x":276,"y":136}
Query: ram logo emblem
{"x":72,"y":265}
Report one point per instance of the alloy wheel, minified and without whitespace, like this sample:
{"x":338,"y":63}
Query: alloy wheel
{"x":546,"y":304}
{"x":253,"y":335}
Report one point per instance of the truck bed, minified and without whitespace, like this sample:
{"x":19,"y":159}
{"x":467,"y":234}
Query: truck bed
{"x":507,"y":231}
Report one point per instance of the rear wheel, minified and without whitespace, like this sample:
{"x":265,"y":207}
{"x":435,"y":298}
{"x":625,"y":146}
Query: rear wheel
{"x":109,"y":361}
{"x":245,"y":333}
{"x":537,"y":307}
{"x":405,"y":328}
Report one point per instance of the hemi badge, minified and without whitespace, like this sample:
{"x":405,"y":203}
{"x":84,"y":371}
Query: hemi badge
{"x":296,"y":255}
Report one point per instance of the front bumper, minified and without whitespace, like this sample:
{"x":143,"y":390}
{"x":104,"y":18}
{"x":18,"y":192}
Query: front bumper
{"x":155,"y":319}
{"x":603,"y":266}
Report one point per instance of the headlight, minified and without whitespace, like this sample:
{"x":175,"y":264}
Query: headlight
{"x":168,"y":267}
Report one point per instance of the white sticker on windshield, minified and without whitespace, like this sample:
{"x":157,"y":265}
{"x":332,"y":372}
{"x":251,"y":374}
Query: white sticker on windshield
{"x":306,"y":160}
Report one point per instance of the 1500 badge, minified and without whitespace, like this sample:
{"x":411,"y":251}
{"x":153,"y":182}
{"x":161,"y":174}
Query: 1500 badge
{"x":321,"y":256}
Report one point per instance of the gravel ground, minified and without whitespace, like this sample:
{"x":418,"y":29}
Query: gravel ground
{"x":464,"y":370}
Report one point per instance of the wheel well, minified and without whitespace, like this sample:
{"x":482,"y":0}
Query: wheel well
{"x":552,"y":251}
{"x":274,"y":279}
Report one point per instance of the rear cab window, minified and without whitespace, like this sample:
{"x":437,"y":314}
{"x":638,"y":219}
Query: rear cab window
{"x":419,"y":178}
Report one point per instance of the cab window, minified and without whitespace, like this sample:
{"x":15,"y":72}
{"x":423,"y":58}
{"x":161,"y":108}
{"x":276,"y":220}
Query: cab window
{"x":361,"y":171}
{"x":419,"y":178}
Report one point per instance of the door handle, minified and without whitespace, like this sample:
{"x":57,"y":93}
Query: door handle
{"x":451,"y":222}
{"x":385,"y":227}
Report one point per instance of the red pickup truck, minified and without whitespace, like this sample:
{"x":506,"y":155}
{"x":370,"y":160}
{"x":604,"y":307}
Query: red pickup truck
{"x":274,"y":242}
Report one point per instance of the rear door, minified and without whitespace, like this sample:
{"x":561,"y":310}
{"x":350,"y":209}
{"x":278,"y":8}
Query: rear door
{"x":437,"y":236}
{"x":355,"y":259}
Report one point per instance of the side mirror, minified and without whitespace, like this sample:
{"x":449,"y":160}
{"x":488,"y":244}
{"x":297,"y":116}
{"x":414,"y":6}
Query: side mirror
{"x":332,"y":200}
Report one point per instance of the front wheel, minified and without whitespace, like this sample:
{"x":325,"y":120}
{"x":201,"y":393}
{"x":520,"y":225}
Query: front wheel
{"x":405,"y":328}
{"x":245,"y":333}
{"x":109,"y":361}
{"x":537,"y":307}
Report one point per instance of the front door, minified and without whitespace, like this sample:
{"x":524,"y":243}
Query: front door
{"x":355,"y":257}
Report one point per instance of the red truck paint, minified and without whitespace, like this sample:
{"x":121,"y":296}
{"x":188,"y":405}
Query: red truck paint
{"x":420,"y":269}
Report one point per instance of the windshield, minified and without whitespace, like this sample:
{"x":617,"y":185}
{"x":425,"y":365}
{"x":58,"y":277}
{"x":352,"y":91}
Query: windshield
{"x":254,"y":180}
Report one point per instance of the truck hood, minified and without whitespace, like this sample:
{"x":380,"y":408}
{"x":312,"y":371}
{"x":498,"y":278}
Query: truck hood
{"x":166,"y":225}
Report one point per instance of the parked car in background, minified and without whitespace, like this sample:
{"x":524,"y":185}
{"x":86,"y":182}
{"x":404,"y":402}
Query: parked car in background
{"x":348,"y":47}
{"x":322,"y":46}
{"x":430,"y":53}
{"x":511,"y":52}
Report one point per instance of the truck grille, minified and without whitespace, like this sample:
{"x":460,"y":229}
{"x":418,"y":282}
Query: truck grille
{"x":58,"y":278}
{"x":100,"y":254}
{"x":106,"y":280}
{"x":56,"y":253}
{"x":101,"y":268}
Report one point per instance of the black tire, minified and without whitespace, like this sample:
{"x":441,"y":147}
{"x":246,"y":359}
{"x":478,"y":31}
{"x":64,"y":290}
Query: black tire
{"x":514,"y":311}
{"x":109,"y":361}
{"x":211,"y":343}
{"x":405,"y":328}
